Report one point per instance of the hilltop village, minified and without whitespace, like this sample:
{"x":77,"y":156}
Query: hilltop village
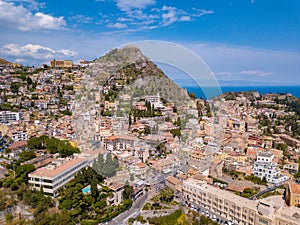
{"x":116,"y":141}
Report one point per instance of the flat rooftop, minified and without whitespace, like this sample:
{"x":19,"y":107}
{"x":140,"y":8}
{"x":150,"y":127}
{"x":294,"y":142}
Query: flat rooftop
{"x":222,"y":194}
{"x":51,"y":171}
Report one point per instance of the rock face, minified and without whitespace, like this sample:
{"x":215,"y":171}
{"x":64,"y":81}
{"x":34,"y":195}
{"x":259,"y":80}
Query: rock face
{"x":113,"y":82}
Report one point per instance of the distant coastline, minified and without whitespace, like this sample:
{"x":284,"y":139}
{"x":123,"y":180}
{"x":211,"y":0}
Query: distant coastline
{"x":294,"y":90}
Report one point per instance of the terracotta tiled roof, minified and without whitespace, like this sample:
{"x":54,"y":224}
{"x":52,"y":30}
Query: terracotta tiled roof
{"x":295,"y":188}
{"x":113,"y":137}
{"x":172,"y":180}
{"x":18,"y":144}
{"x":141,"y":165}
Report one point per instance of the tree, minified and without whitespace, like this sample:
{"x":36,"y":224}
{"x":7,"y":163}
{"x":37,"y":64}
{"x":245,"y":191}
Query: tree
{"x":176,"y":132}
{"x":26,"y":155}
{"x":128,"y":191}
{"x":99,"y":164}
{"x":106,"y":168}
{"x":24,"y":170}
{"x":129,"y":120}
{"x":14,"y":87}
{"x":166,"y":194}
{"x":147,"y":130}
{"x":116,"y":162}
{"x":63,"y":218}
{"x":109,"y":169}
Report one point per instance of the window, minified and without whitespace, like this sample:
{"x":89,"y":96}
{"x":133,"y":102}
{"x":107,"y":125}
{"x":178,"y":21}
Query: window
{"x":263,"y":221}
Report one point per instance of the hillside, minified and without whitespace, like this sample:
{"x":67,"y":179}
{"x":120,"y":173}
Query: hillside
{"x":110,"y":86}
{"x":127,"y":71}
{"x":5,"y":62}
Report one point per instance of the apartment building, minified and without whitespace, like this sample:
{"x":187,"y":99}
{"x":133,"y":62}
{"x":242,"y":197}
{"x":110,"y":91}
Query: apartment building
{"x":119,"y":142}
{"x":19,"y":136}
{"x":264,"y":167}
{"x":231,"y":207}
{"x":223,"y":203}
{"x":116,"y":198}
{"x":291,"y":167}
{"x":8,"y":117}
{"x":56,"y":175}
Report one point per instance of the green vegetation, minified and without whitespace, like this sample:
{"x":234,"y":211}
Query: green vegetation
{"x":208,"y":109}
{"x":206,"y":221}
{"x":91,"y":208}
{"x":234,"y":174}
{"x":53,"y":145}
{"x":230,"y":96}
{"x":291,"y":104}
{"x":26,"y":155}
{"x":176,"y":132}
{"x":257,"y":180}
{"x":270,"y":194}
{"x":166,"y":196}
{"x":172,"y":219}
{"x":39,"y":203}
{"x":20,"y":176}
{"x":108,"y":167}
{"x":150,"y":112}
{"x":161,"y":149}
{"x":154,"y":206}
{"x":248,"y":192}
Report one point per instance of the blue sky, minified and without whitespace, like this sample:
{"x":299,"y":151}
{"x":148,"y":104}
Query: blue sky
{"x":240,"y":40}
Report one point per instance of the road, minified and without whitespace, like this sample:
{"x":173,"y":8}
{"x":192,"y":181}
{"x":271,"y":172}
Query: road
{"x":132,"y":212}
{"x":262,"y":192}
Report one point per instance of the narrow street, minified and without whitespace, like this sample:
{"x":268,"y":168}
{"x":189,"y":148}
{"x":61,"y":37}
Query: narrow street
{"x":132,"y":212}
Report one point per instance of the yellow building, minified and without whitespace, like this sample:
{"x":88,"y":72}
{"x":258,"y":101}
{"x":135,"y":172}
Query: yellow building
{"x":236,"y":209}
{"x":61,"y":63}
{"x":293,"y":194}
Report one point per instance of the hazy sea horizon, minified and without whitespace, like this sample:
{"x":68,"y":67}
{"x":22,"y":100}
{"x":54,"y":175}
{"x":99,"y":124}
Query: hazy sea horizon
{"x":294,"y":90}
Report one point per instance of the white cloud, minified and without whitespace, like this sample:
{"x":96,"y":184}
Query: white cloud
{"x":136,"y":18}
{"x":35,"y":51}
{"x":18,"y":17}
{"x":30,"y":4}
{"x":256,"y":72}
{"x":185,"y":18}
{"x":81,"y":18}
{"x":168,"y":8}
{"x":170,"y":15}
{"x":117,"y":25}
{"x":202,"y":12}
{"x":127,"y":5}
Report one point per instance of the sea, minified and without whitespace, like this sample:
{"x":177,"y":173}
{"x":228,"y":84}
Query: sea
{"x":294,"y":90}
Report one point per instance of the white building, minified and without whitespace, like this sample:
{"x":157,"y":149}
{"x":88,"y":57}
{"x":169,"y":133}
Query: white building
{"x":264,"y":167}
{"x":56,"y":175}
{"x":119,"y":142}
{"x":8,"y":117}
{"x":19,"y":136}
